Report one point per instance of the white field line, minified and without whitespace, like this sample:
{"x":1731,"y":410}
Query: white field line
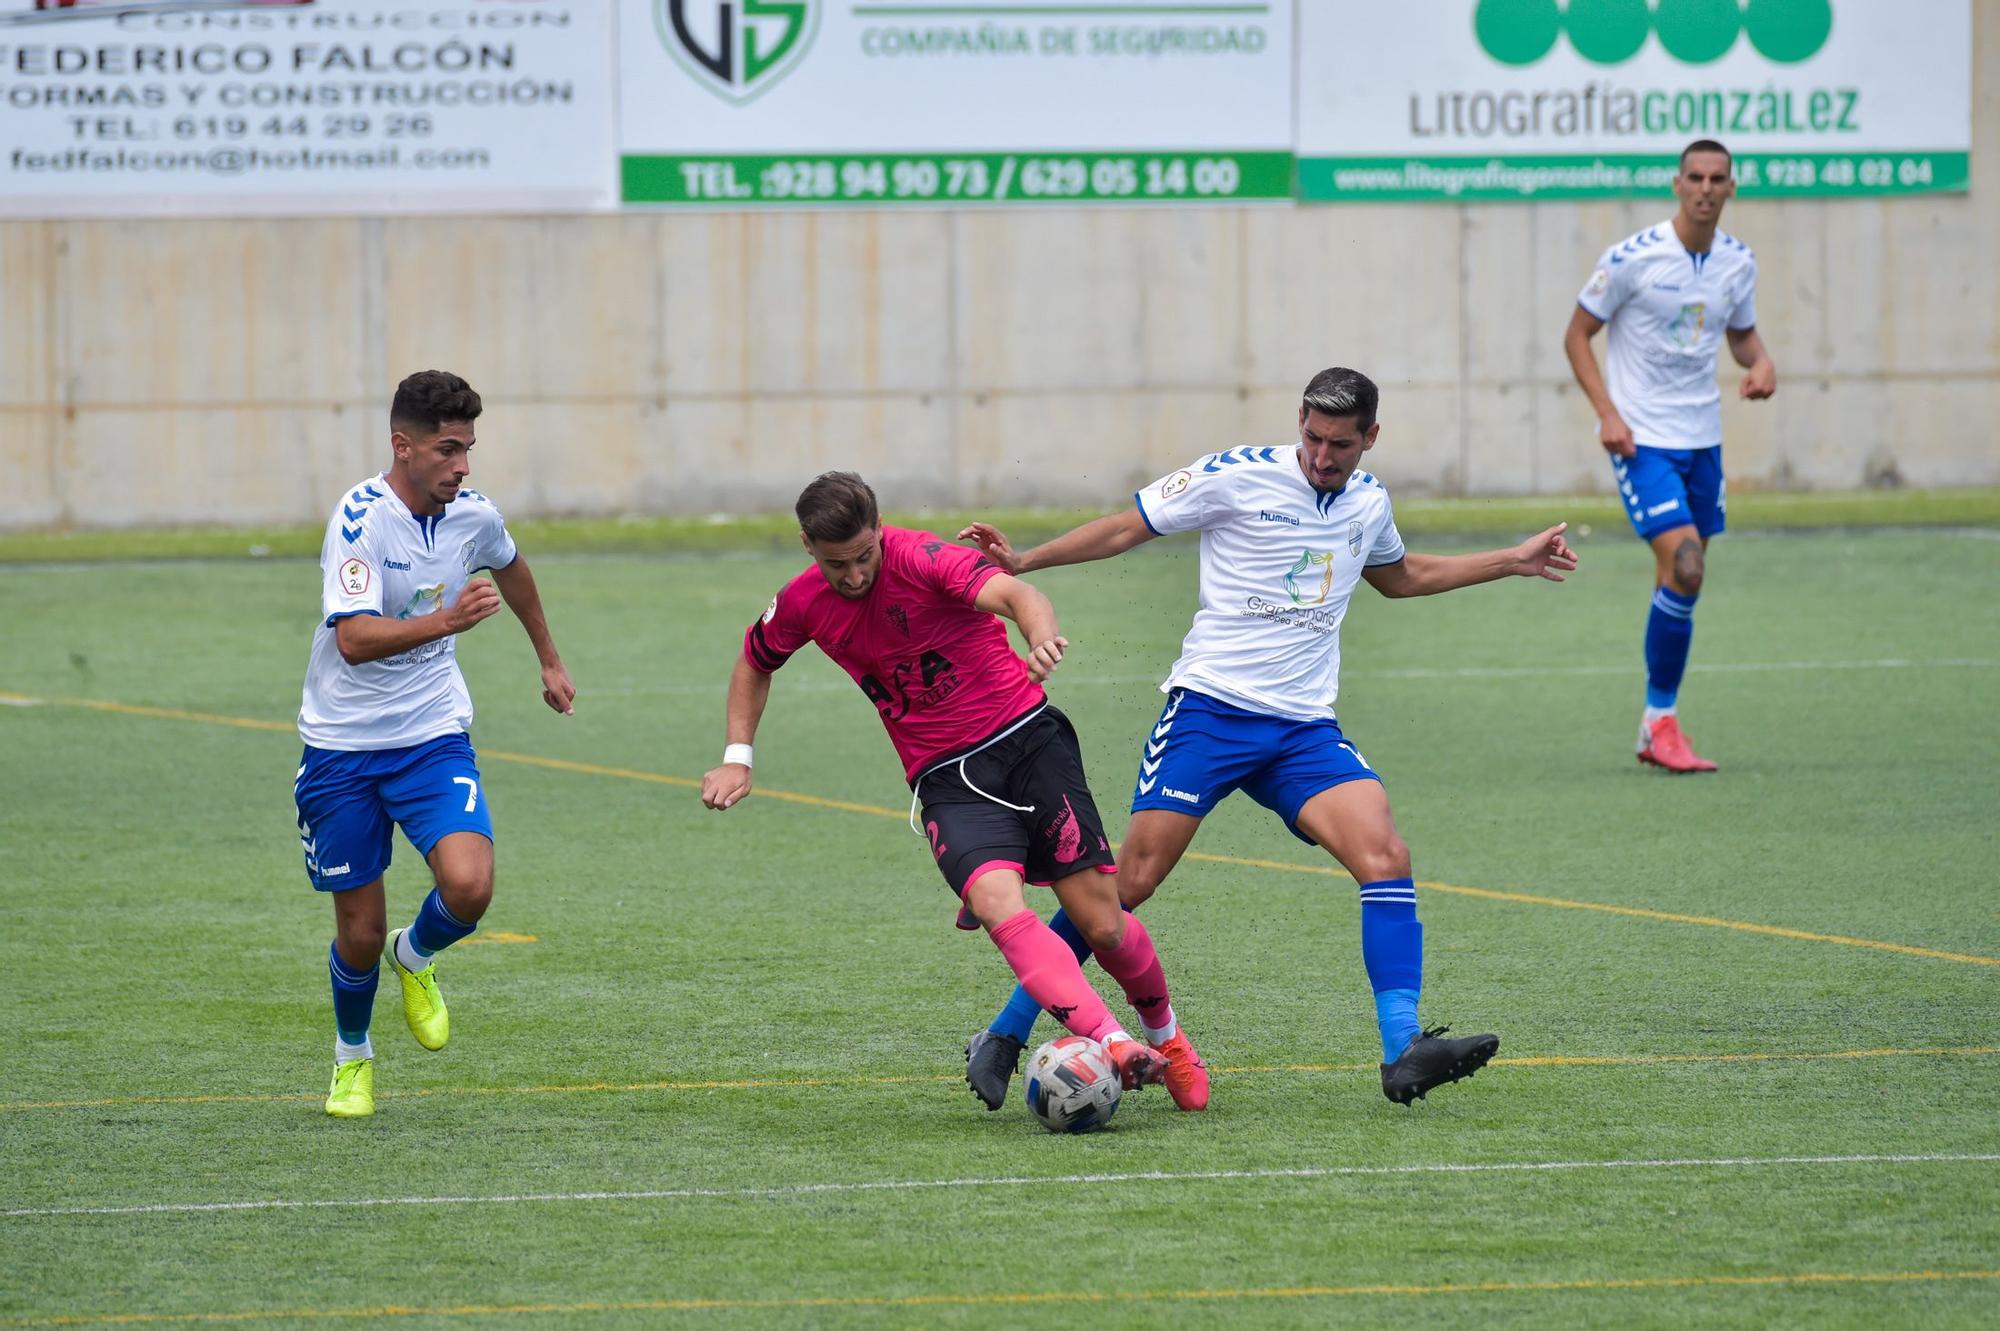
{"x":1414,"y":672}
{"x":1009,"y":1181}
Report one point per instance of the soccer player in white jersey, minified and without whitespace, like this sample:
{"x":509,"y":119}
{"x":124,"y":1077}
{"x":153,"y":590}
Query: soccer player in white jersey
{"x":385,"y":714}
{"x":1287,"y":533}
{"x":1671,"y":295}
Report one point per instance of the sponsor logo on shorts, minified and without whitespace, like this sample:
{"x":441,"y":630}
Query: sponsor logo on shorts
{"x":1182,"y":795}
{"x":336,"y":871}
{"x":1667,"y":507}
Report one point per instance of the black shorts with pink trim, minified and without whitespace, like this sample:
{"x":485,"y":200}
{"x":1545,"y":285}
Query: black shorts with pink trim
{"x":1018,"y":802}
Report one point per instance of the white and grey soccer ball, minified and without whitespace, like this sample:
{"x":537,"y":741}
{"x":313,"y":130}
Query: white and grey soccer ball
{"x":1072,"y":1085}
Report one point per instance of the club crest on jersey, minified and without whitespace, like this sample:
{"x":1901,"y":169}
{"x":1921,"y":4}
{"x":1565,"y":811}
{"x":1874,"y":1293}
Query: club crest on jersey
{"x":1175,"y":483}
{"x":354,"y":577}
{"x":466,"y":554}
{"x":1354,"y":539}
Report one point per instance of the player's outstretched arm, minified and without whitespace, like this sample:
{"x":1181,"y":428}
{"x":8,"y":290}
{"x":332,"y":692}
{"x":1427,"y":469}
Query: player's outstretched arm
{"x":1034,"y":613}
{"x":749,"y":691}
{"x":1544,"y":555}
{"x":1748,"y":350}
{"x":517,"y":588}
{"x":372,"y":637}
{"x":1100,"y":538}
{"x":1612,"y":431}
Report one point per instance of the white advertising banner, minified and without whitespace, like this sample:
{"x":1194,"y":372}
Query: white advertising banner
{"x":1523,"y":99}
{"x":739,"y":103}
{"x":304,"y":107}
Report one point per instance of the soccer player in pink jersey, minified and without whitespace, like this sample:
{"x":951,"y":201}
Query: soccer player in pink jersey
{"x":993,"y":766}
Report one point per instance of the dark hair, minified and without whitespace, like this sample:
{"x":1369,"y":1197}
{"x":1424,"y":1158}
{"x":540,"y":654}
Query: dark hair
{"x":1706,"y":146}
{"x":429,"y":398}
{"x":837,"y":506}
{"x":1342,"y":392}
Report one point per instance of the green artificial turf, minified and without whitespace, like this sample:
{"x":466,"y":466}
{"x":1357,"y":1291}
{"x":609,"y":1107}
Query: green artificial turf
{"x":758,"y":1016}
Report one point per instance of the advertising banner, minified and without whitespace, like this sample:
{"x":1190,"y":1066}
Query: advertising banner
{"x":1525,"y":99}
{"x":304,"y":107}
{"x":747,"y":103}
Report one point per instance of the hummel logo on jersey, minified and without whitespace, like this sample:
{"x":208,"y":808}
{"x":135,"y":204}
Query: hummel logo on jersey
{"x":1268,"y":516}
{"x":1181,"y":795}
{"x":396,"y":564}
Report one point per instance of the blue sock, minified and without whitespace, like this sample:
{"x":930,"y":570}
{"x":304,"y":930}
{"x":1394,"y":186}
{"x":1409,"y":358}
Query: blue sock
{"x":1669,"y":631}
{"x":435,"y":927}
{"x":1392,"y":948}
{"x":353,"y":997}
{"x":1017,"y":1019}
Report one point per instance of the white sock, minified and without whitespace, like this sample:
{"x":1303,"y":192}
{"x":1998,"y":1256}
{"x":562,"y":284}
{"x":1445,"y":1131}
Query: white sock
{"x":1159,"y":1035}
{"x":1115,"y":1037}
{"x":344,"y":1052}
{"x":406,"y":953}
{"x":1655,"y":713}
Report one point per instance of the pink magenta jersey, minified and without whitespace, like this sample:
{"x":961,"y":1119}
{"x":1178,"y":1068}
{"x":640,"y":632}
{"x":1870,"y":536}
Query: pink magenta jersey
{"x":941,"y":672}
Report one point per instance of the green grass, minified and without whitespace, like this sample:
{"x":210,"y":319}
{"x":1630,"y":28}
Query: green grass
{"x":778,"y":534}
{"x":758,"y":1004}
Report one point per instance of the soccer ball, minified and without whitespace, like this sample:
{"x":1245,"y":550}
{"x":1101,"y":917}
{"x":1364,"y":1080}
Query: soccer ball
{"x":1073,"y":1085}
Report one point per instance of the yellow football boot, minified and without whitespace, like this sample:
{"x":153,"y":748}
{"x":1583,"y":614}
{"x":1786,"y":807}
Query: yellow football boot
{"x":423,"y":1005}
{"x":353,"y":1093}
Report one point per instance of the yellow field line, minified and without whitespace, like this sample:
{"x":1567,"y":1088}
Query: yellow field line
{"x":1024,"y":1298}
{"x":808,"y":1083}
{"x":1280,"y":866}
{"x":1635,"y":912}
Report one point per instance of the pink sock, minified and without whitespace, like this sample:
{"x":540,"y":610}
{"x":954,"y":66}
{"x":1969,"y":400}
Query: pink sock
{"x":1136,"y":967}
{"x":1048,"y":971}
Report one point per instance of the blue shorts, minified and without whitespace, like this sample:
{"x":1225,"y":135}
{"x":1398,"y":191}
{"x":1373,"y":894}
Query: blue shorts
{"x":350,"y":804}
{"x":1664,"y":488}
{"x":1201,"y":749}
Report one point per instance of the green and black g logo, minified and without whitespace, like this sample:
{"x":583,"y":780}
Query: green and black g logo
{"x":1609,"y":32}
{"x":737,"y":49}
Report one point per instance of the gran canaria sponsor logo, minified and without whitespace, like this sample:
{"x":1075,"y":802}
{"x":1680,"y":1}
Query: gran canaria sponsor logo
{"x":738,"y":49}
{"x":1610,"y":32}
{"x":1299,"y":582}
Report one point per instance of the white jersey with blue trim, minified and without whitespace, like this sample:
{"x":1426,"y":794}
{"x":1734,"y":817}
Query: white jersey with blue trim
{"x":1279,"y":562}
{"x":381,"y":559}
{"x":1666,"y":307}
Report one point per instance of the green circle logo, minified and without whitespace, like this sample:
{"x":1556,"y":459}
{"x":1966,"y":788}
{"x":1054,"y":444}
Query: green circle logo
{"x":1610,"y":32}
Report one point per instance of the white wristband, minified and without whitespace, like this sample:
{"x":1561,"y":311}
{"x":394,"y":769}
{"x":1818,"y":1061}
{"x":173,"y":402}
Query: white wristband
{"x":736,"y":753}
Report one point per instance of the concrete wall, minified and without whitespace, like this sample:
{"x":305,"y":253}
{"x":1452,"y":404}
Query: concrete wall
{"x":238,"y":372}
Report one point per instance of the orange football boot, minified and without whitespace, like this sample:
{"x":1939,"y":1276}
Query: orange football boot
{"x":1187,"y":1075}
{"x":1138,"y":1064}
{"x":1663,"y":745}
